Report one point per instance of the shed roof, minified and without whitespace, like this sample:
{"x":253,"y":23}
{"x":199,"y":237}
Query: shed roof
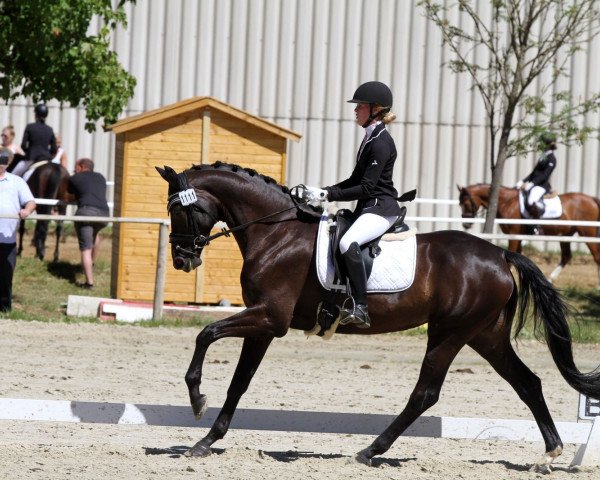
{"x":195,"y":103}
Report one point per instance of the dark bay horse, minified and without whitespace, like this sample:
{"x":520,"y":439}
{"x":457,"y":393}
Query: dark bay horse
{"x":48,"y":181}
{"x":463,"y":288}
{"x":576,"y":206}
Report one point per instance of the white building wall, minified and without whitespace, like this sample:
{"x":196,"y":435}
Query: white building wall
{"x":296,"y":62}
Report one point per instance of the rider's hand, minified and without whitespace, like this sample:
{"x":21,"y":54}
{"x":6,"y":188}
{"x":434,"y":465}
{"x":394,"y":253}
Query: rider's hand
{"x":315,"y":194}
{"x":519,"y":184}
{"x":528,"y":186}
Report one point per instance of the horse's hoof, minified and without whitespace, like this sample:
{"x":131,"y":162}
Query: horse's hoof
{"x":199,"y":407}
{"x":361,"y":457}
{"x":541,"y":468}
{"x":199,"y":451}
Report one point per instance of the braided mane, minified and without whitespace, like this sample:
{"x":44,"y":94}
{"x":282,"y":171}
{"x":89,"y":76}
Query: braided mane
{"x":306,"y":213}
{"x":236,"y":168}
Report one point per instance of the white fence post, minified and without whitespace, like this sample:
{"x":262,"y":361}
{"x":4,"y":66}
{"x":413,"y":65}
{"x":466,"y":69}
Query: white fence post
{"x":161,"y":262}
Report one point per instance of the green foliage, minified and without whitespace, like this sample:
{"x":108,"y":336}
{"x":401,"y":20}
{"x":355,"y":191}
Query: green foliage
{"x":518,"y":44}
{"x":48,"y":53}
{"x":505,"y":57}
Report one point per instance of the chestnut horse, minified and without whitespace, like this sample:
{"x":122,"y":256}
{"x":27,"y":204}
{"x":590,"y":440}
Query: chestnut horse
{"x":576,"y":206}
{"x":463,"y":288}
{"x":48,"y":181}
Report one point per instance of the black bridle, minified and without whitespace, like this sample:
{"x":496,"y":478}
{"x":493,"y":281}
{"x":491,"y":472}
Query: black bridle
{"x":186,"y":197}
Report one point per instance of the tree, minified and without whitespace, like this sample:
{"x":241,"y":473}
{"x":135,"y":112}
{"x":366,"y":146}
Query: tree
{"x":523,"y":41}
{"x":47,"y":53}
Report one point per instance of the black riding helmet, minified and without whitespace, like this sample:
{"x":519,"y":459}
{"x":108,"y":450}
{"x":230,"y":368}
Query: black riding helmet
{"x":374,"y":93}
{"x":41,"y":110}
{"x":548,"y":140}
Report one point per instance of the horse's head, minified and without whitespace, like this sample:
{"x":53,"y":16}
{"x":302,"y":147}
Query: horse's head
{"x":469,"y":205}
{"x":192,"y":218}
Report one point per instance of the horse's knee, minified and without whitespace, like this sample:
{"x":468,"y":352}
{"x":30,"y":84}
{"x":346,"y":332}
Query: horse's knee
{"x":423,"y":399}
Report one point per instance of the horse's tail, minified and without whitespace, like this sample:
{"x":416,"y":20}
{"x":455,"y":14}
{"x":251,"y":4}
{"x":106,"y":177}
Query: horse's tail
{"x":550,"y":310}
{"x":49,"y":188}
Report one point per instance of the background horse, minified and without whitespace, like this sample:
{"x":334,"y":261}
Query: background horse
{"x":576,"y":206}
{"x":463,"y":288}
{"x":48,"y":181}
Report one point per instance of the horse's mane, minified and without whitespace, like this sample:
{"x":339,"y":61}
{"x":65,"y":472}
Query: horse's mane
{"x":306,"y":212}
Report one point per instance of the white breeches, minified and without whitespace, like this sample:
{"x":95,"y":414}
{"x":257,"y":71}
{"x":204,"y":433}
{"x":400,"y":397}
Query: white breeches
{"x":535,"y":194}
{"x":22,"y":167}
{"x":366,"y":228}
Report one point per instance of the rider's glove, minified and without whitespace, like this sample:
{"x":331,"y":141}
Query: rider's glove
{"x":528,"y":186}
{"x":315,"y":194}
{"x":519,"y":184}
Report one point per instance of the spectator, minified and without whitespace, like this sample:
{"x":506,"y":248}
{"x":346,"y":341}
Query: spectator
{"x":38,"y":142}
{"x":61,"y":155}
{"x":8,"y":141}
{"x":89,"y":189}
{"x":15,"y":199}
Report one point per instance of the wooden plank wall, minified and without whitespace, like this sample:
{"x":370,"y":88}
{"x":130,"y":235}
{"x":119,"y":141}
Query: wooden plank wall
{"x":175,"y":142}
{"x":235,"y":141}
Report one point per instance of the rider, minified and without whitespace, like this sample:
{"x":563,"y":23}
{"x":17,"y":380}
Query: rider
{"x":38,"y":141}
{"x":371,"y":184}
{"x":537,"y":184}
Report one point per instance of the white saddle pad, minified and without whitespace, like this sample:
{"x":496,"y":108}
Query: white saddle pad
{"x":553,"y":207}
{"x":32,"y":168}
{"x":393,"y":269}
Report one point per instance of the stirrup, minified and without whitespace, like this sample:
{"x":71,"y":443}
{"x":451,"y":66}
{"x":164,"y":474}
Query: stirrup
{"x":358,"y":315}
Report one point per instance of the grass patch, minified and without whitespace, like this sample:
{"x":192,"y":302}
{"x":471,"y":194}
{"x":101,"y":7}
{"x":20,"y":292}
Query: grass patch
{"x":41,"y":289}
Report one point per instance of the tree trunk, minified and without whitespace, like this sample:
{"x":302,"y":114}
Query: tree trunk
{"x":497,"y":172}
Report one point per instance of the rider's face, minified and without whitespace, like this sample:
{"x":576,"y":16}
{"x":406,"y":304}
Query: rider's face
{"x":362,"y":112}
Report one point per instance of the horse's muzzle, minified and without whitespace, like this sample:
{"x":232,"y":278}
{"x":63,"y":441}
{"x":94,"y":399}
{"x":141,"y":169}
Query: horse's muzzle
{"x":186,"y":264}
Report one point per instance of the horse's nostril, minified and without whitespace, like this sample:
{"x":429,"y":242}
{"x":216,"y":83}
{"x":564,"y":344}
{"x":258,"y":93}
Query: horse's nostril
{"x":178,"y":263}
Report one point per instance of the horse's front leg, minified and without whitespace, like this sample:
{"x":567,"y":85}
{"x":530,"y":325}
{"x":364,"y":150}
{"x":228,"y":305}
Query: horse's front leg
{"x":252,"y":354}
{"x":258,"y":332}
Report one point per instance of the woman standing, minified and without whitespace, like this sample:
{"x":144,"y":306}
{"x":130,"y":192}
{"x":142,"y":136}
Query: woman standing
{"x":371,"y":184}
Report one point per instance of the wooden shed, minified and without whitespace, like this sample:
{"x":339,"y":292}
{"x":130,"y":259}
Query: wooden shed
{"x":200,"y":130}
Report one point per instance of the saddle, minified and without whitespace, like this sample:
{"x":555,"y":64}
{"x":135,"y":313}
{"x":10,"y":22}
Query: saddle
{"x":328,"y":310}
{"x":342,"y":221}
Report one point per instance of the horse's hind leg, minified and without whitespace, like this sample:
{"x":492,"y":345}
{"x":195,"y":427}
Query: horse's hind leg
{"x":21,"y":235}
{"x":595,"y":251}
{"x":528,"y":386}
{"x":41,"y":232}
{"x":441,"y":351}
{"x":565,"y":257}
{"x":58,"y":234}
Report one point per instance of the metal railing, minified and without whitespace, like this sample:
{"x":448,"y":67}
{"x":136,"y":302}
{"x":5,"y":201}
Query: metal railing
{"x":161,"y":260}
{"x":164,"y":224}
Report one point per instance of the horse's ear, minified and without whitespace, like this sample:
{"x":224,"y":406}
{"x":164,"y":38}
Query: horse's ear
{"x":167,"y":173}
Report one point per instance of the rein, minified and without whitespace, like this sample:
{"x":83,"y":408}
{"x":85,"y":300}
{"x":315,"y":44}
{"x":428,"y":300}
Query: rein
{"x":187,"y":198}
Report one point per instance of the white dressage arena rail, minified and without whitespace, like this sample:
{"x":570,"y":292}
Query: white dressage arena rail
{"x":585,"y":434}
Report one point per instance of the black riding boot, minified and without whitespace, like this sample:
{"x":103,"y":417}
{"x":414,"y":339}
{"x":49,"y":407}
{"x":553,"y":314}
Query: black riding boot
{"x":537,"y":212}
{"x":355,"y":269}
